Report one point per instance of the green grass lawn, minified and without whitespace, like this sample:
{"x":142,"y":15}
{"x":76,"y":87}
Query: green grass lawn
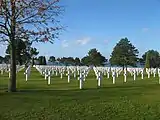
{"x":139,"y":100}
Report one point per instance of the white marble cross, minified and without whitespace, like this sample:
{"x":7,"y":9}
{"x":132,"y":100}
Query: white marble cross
{"x":125,"y":75}
{"x":61,"y":73}
{"x":27,"y":72}
{"x":56,"y":72}
{"x":148,"y":72}
{"x":142,"y":74}
{"x":1,"y":71}
{"x":104,"y":72}
{"x":74,"y":73}
{"x":108,"y":74}
{"x":49,"y":77}
{"x":154,"y":73}
{"x":80,"y":81}
{"x":99,"y":78}
{"x":68,"y":76}
{"x":114,"y":76}
{"x":117,"y":74}
{"x":45,"y":74}
{"x":134,"y":73}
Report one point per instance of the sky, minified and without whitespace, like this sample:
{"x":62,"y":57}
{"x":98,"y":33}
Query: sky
{"x":101,"y":24}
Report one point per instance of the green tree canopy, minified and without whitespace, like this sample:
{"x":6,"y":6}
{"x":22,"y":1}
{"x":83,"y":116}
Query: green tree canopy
{"x":52,"y":59}
{"x":147,"y":62}
{"x":124,"y":53}
{"x":33,"y":53}
{"x":93,"y":58}
{"x":24,"y":52}
{"x":152,"y":59}
{"x":42,"y":60}
{"x":67,"y":60}
{"x":77,"y":61}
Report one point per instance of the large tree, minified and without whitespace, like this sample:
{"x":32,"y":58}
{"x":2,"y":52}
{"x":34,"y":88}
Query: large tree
{"x":27,"y":18}
{"x":67,"y":61}
{"x":52,"y":59}
{"x":85,"y":61}
{"x":124,"y":53}
{"x":42,"y":60}
{"x":147,"y":62}
{"x":22,"y":51}
{"x":93,"y":58}
{"x":152,"y":59}
{"x":33,"y":53}
{"x":77,"y":61}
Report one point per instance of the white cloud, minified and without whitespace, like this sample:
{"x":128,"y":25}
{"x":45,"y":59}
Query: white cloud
{"x":65,"y":44}
{"x":145,"y":29}
{"x":83,"y":41}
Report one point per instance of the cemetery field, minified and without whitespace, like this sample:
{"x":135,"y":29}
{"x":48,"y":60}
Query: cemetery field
{"x":35,"y":100}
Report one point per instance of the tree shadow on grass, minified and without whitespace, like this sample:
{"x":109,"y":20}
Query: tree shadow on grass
{"x":110,"y":91}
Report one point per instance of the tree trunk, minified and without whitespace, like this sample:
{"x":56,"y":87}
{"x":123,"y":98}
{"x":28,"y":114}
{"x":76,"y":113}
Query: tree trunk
{"x":33,"y":61}
{"x":12,"y":80}
{"x":123,"y":67}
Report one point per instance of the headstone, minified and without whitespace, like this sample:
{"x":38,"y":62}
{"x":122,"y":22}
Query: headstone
{"x":108,"y":74}
{"x":56,"y":72}
{"x":142,"y":74}
{"x":117,"y":74}
{"x":125,"y":75}
{"x":104,"y":72}
{"x":68,"y":76}
{"x":27,"y":72}
{"x":148,"y":72}
{"x":74,"y":73}
{"x":114,"y":76}
{"x":49,"y":77}
{"x":81,"y":81}
{"x":45,"y":74}
{"x":84,"y":75}
{"x":2,"y":72}
{"x":99,"y":78}
{"x":154,"y":73}
{"x":61,"y":74}
{"x":134,"y":73}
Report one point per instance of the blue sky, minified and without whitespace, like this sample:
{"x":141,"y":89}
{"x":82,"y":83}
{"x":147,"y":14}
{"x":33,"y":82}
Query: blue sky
{"x":101,"y":24}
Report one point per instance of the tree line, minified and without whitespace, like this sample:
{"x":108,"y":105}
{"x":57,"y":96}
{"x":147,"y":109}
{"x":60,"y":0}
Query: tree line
{"x":93,"y":58}
{"x":124,"y":54}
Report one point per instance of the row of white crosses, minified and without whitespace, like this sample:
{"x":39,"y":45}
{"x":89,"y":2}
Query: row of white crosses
{"x":113,"y":70}
{"x":117,"y":70}
{"x":6,"y":68}
{"x":27,"y":72}
{"x":82,"y":72}
{"x":98,"y":74}
{"x":48,"y":71}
